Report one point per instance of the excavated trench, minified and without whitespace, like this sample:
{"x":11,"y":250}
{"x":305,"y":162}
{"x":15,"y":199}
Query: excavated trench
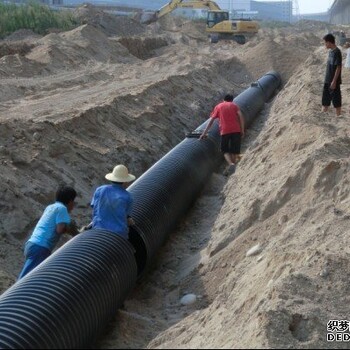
{"x":123,"y":130}
{"x":154,"y":305}
{"x":158,"y":207}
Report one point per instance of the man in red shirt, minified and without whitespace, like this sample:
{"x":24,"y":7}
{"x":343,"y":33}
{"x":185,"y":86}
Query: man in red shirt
{"x":231,"y":124}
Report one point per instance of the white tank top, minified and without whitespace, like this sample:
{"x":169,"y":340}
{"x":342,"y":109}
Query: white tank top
{"x":347,"y":62}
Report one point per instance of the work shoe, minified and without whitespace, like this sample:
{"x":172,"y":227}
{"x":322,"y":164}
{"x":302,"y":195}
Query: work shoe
{"x":232,"y":169}
{"x":229,"y":170}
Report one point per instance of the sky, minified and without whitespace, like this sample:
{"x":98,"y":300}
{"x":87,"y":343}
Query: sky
{"x":314,"y":6}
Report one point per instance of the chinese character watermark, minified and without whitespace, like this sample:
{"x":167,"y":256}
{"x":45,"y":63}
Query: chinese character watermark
{"x":338,"y":330}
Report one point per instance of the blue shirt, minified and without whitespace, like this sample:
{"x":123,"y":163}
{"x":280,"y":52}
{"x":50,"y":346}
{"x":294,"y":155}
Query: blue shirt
{"x":111,"y":206}
{"x":45,"y":234}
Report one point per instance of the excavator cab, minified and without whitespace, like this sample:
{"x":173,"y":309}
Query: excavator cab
{"x":215,"y":17}
{"x":220,"y":26}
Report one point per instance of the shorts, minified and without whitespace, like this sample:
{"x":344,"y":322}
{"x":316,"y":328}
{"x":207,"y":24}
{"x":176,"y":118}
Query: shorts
{"x":331,"y":96}
{"x":231,"y":143}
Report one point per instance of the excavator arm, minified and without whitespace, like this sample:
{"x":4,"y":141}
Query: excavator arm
{"x":219,"y":24}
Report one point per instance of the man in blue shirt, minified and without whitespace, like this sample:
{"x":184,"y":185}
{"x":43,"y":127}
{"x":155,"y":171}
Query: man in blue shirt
{"x":53,"y":223}
{"x":112,"y":203}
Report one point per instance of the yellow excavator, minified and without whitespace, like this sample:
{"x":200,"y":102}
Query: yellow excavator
{"x":219,"y":26}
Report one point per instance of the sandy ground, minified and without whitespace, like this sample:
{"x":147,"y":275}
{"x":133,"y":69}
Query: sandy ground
{"x":74,"y":104}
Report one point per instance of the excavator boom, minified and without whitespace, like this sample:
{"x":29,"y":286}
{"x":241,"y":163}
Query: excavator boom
{"x":198,"y":4}
{"x":219,"y":25}
{"x":150,"y":17}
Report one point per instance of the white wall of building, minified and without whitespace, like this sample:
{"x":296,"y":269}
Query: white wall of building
{"x":242,"y":5}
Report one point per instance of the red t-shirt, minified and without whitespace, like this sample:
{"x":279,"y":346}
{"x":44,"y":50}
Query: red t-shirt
{"x":227,"y":113}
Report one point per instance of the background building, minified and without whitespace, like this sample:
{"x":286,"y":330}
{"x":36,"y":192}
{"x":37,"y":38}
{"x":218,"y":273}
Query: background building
{"x":273,"y":10}
{"x":340,"y":12}
{"x":262,"y":10}
{"x":239,"y":5}
{"x":53,"y":2}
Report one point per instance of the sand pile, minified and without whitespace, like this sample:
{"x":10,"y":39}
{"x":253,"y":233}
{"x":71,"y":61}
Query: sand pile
{"x":7,"y":49}
{"x":22,"y":35}
{"x":310,"y":25}
{"x":282,"y":52}
{"x":290,"y":198}
{"x":78,"y":47}
{"x":109,"y":24}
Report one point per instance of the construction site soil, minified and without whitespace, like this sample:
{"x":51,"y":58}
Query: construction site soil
{"x":74,"y":104}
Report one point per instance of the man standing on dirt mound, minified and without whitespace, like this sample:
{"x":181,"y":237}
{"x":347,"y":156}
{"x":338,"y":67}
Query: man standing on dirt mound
{"x":331,"y":89}
{"x":231,"y":124}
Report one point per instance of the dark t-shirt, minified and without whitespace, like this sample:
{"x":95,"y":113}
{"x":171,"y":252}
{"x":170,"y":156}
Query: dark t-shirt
{"x":334,"y":60}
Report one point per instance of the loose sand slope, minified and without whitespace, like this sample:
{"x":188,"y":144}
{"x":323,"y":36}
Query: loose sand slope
{"x":74,"y":104}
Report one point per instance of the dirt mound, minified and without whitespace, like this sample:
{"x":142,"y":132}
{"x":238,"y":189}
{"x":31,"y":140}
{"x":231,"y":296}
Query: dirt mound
{"x":77,"y":47}
{"x":20,"y":48}
{"x":5,"y":281}
{"x":143,"y":48}
{"x":109,"y":24}
{"x":17,"y":66}
{"x":310,"y":25}
{"x":281,"y":53}
{"x":68,"y":50}
{"x":172,"y":23}
{"x":289,"y":198}
{"x":193,"y":29}
{"x":22,"y":34}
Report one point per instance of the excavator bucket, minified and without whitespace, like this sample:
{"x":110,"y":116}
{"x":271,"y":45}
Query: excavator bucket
{"x":148,"y":17}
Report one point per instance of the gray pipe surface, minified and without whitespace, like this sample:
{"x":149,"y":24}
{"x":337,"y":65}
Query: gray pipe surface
{"x":68,"y":300}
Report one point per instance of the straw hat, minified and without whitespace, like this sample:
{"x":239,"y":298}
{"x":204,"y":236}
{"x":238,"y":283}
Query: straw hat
{"x":120,"y":174}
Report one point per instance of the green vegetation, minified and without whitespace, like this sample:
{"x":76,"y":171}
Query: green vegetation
{"x":34,"y":16}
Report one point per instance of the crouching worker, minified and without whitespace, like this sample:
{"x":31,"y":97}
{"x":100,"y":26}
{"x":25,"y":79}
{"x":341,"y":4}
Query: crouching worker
{"x":112,"y":203}
{"x":53,"y":223}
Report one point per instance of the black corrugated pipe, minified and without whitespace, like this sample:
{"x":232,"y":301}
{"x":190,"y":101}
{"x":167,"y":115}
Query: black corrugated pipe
{"x":167,"y":190}
{"x":268,"y":84}
{"x":163,"y":200}
{"x":252,"y":100}
{"x":69,"y":299}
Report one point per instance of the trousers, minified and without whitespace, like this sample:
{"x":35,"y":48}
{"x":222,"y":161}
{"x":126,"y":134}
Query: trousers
{"x":35,"y":255}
